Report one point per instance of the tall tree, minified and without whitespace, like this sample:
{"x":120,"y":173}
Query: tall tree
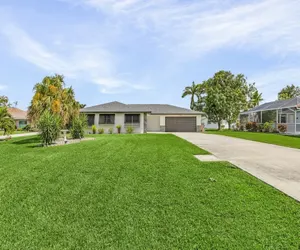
{"x":255,"y":99}
{"x":199,"y":105}
{"x":227,"y":96}
{"x":191,"y":91}
{"x":7,"y":123}
{"x":288,"y":92}
{"x":52,"y":95}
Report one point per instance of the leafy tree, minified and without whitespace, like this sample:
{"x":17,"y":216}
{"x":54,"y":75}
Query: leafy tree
{"x":78,"y":125}
{"x":49,"y":124}
{"x":255,"y":99}
{"x":288,"y":92}
{"x":7,"y":123}
{"x":199,"y":105}
{"x":4,"y":101}
{"x":52,"y":95}
{"x":191,"y":91}
{"x":226,"y":96}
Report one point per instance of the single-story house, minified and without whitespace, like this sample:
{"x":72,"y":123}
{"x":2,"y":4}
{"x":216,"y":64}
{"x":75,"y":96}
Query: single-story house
{"x":20,"y":117}
{"x":278,"y":112}
{"x":143,"y":117}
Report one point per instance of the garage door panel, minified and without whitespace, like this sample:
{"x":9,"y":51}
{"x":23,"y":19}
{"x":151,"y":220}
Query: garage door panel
{"x":181,"y":124}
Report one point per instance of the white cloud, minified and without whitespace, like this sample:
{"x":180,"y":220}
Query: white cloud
{"x":272,"y":81}
{"x":192,"y":28}
{"x":85,"y":62}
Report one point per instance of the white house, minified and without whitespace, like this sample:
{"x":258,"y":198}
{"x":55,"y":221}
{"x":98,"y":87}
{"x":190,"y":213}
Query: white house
{"x":143,"y":117}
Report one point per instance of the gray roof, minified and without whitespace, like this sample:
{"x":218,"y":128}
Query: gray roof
{"x":117,"y":107}
{"x":281,"y":104}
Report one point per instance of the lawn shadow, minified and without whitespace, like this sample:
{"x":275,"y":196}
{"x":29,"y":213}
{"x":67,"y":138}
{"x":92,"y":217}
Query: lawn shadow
{"x":30,"y":141}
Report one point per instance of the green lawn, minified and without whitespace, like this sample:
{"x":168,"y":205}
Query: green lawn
{"x":136,"y":192}
{"x":277,"y":139}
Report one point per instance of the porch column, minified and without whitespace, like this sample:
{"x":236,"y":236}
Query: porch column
{"x":276,"y":126}
{"x":295,"y":121}
{"x":96,"y":120}
{"x":261,"y":117}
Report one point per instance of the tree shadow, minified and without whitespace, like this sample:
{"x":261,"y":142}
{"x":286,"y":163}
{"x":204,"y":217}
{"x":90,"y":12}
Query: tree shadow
{"x":31,"y":140}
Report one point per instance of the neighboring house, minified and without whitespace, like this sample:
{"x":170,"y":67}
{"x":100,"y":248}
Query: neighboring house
{"x":143,"y":117}
{"x":212,"y":125}
{"x":278,"y":112}
{"x":20,"y":117}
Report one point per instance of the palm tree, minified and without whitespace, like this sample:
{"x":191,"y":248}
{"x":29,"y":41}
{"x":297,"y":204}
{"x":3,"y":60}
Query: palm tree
{"x":256,"y":99}
{"x":51,"y":94}
{"x":191,"y":91}
{"x":7,"y":123}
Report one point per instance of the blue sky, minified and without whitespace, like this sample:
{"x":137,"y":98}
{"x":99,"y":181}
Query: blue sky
{"x":143,"y":51}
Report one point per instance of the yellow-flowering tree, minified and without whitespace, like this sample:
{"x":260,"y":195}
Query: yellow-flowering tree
{"x":52,"y":95}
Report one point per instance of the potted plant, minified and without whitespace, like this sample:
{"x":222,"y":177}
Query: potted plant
{"x":119,"y":128}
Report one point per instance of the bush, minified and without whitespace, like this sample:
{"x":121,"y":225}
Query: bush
{"x":27,"y":128}
{"x":19,"y":129}
{"x":94,"y":129}
{"x":101,"y":131}
{"x":282,"y":128}
{"x":260,"y":128}
{"x":50,"y":126}
{"x":110,"y":130}
{"x":268,"y":127}
{"x":242,"y":128}
{"x":249,"y":126}
{"x":222,"y":127}
{"x":129,"y":130}
{"x":78,"y":125}
{"x":119,"y":128}
{"x":254,"y":127}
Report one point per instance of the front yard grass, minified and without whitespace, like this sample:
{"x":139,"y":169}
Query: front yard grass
{"x":136,"y":192}
{"x":277,"y":139}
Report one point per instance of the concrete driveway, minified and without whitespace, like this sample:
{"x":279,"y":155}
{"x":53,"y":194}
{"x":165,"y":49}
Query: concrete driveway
{"x":275,"y":165}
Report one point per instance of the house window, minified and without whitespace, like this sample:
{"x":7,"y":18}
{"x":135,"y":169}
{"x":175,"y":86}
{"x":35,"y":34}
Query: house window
{"x":22,"y":123}
{"x":283,"y":118}
{"x":91,"y":120}
{"x":107,"y":119}
{"x":132,"y":118}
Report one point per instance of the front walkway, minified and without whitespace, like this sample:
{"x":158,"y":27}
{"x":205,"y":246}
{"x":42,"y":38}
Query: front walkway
{"x":275,"y":165}
{"x":18,"y":135}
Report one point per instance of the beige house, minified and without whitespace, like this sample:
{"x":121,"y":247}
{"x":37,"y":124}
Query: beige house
{"x":143,"y":117}
{"x":20,"y":117}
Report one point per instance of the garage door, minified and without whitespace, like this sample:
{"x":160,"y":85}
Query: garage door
{"x":181,"y":124}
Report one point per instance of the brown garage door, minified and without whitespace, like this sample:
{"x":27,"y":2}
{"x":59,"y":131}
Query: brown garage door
{"x":181,"y":124}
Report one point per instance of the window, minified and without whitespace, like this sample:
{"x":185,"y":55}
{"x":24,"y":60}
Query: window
{"x":91,"y":120}
{"x":132,"y":118}
{"x":107,"y":119}
{"x":22,"y":123}
{"x":283,"y":118}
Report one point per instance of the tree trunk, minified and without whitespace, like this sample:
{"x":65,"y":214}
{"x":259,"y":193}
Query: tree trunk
{"x":219,"y":125}
{"x":229,"y":125}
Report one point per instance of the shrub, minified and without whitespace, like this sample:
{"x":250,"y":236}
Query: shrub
{"x":254,"y":127}
{"x":78,"y":125}
{"x":222,"y":127}
{"x":268,"y":127}
{"x":101,"y":131}
{"x":282,"y":128}
{"x":249,"y":126}
{"x":129,"y":130}
{"x":110,"y":130}
{"x":19,"y":129}
{"x":94,"y":129}
{"x":242,"y":128}
{"x":50,"y":126}
{"x":119,"y":128}
{"x":27,"y":128}
{"x":260,"y":128}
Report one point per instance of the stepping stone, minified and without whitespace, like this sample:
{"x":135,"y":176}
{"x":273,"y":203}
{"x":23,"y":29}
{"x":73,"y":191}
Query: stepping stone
{"x":207,"y":158}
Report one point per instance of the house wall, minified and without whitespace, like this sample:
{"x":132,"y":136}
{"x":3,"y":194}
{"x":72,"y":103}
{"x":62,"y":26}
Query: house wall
{"x":119,"y":120}
{"x":21,"y":123}
{"x":157,"y":123}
